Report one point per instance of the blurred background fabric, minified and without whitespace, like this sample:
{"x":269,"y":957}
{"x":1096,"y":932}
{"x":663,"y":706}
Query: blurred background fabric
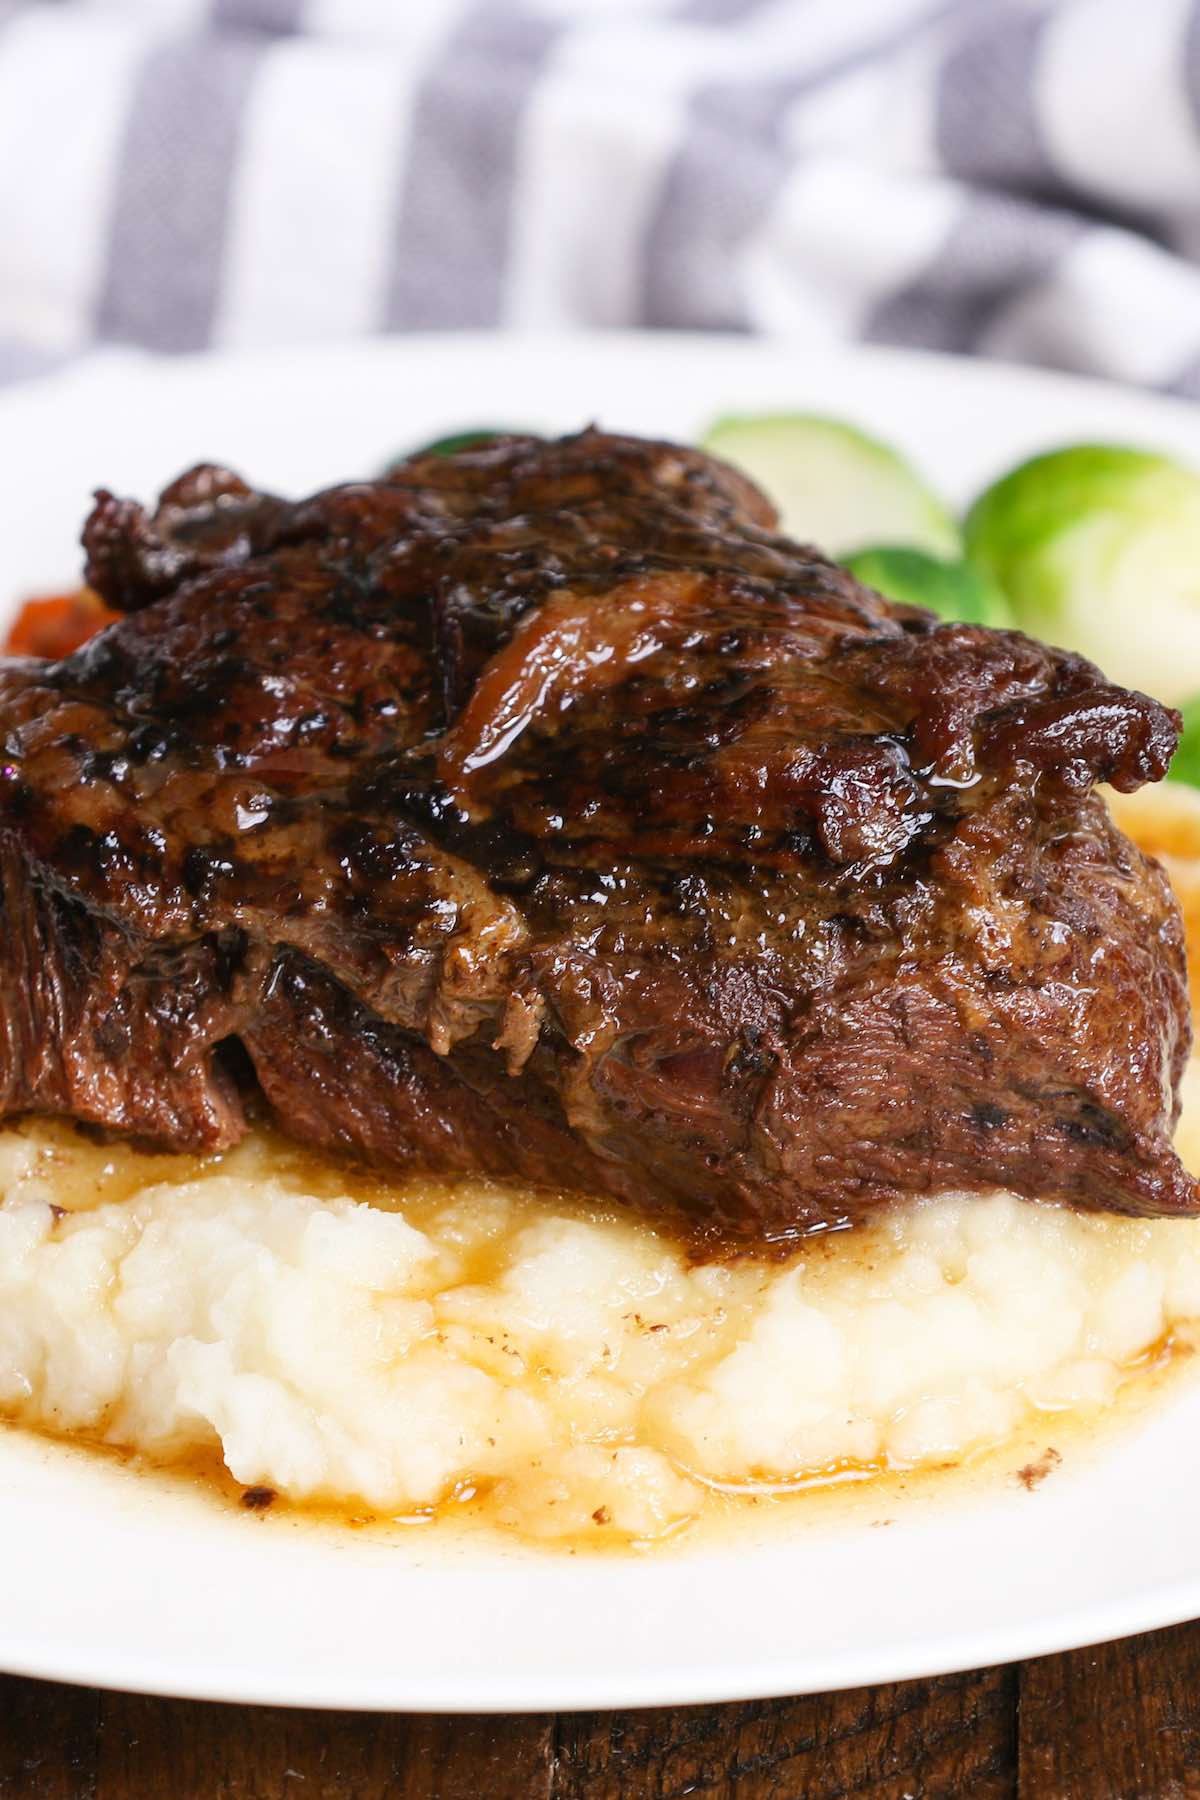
{"x":1011,"y":178}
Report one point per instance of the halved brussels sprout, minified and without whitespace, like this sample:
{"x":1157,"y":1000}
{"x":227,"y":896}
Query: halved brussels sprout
{"x":472,"y":439}
{"x":953,"y":590}
{"x":1098,"y":549}
{"x":1185,"y":765}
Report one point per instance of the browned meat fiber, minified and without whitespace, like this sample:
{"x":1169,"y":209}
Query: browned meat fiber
{"x":539,"y":811}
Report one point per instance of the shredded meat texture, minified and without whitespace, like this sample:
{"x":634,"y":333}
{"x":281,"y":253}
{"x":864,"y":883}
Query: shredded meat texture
{"x":538,"y":811}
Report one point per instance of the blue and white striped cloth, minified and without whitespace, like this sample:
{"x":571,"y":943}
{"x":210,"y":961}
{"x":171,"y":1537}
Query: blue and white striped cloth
{"x":1019,"y":178}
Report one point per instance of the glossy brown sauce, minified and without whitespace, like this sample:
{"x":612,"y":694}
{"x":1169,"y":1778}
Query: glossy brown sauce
{"x":1051,"y":1447}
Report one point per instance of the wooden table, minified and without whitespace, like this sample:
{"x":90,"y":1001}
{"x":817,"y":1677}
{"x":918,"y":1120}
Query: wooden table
{"x":1121,"y":1722}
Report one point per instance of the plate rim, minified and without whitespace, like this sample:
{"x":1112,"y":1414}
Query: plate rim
{"x":1155,"y":1606}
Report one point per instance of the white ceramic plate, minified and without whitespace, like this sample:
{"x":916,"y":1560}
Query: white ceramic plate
{"x":111,"y":1578}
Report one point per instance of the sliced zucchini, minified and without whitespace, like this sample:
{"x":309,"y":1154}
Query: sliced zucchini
{"x":833,"y":485}
{"x":1098,"y":549}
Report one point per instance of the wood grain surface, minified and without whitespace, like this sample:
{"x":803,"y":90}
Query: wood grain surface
{"x":1121,"y":1722}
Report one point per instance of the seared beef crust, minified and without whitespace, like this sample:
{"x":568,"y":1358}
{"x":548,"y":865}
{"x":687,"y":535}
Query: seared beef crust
{"x":539,"y":811}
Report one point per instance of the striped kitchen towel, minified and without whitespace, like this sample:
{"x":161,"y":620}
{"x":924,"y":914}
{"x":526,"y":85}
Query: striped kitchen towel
{"x":1019,"y":178}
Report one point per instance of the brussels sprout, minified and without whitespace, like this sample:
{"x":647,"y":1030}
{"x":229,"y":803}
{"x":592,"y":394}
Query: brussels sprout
{"x":457,"y":440}
{"x":1098,"y":549}
{"x":1185,"y":765}
{"x":833,"y":485}
{"x":953,"y":590}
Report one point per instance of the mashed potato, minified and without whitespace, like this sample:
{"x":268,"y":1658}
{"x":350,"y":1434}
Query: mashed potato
{"x":570,"y":1366}
{"x":338,"y":1339}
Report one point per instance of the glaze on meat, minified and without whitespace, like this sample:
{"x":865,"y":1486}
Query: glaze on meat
{"x":538,"y":811}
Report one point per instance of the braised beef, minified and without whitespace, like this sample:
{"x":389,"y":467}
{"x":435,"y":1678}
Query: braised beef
{"x":539,"y":811}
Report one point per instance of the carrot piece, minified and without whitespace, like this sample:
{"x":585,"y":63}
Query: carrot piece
{"x":55,"y":624}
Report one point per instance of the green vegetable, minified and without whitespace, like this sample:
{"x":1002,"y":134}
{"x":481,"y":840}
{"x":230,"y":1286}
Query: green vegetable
{"x":835,"y":486}
{"x":1098,"y":549}
{"x":1185,"y":765}
{"x":457,"y":440}
{"x":461,"y":440}
{"x":953,"y":590}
